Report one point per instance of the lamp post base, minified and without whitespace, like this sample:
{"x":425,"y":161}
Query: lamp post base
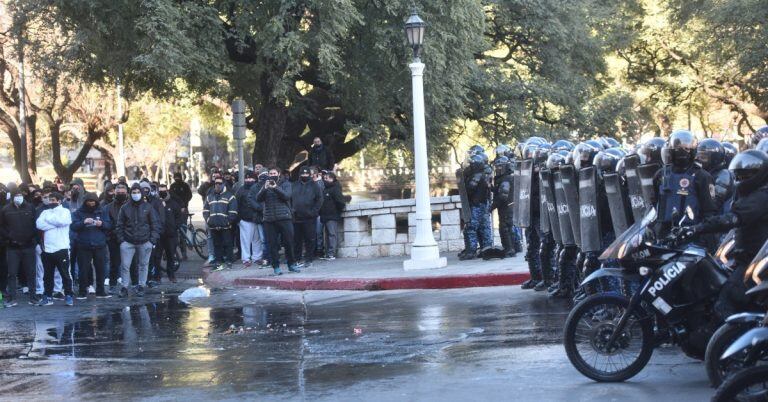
{"x":424,"y":257}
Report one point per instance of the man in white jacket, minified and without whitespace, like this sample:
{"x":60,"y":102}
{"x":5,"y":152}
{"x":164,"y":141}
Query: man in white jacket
{"x":54,"y":222}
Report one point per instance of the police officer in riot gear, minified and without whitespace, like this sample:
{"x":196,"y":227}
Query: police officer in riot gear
{"x":650,"y":151}
{"x":730,"y":152}
{"x":502,"y":198}
{"x":502,"y":150}
{"x":710,"y":154}
{"x":477,"y":231}
{"x":681,"y":183}
{"x":749,"y":217}
{"x":535,"y":150}
{"x":568,"y":252}
{"x":761,"y":133}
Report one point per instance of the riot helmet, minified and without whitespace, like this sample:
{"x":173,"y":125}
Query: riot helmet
{"x":618,"y":152}
{"x":475,"y":149}
{"x":611,"y":142}
{"x":541,"y":154}
{"x":650,"y":151}
{"x":562,"y":145}
{"x":584,"y":154}
{"x":555,"y":160}
{"x":596,"y":144}
{"x":502,"y":150}
{"x":750,"y":170}
{"x":478,"y":162}
{"x":761,"y":133}
{"x":530,"y":151}
{"x":536,"y":140}
{"x":710,"y":154}
{"x":605,"y":162}
{"x":680,"y":149}
{"x":502,"y":166}
{"x":762,"y":145}
{"x":730,"y":152}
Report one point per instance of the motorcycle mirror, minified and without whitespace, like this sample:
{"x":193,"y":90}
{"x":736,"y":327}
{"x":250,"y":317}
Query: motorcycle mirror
{"x":689,"y":212}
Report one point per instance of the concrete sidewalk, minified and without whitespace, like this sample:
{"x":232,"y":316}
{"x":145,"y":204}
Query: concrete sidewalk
{"x":377,"y":274}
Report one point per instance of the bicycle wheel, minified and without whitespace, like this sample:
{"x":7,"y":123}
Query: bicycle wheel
{"x":201,"y":243}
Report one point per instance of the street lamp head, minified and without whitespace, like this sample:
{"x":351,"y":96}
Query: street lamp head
{"x":414,"y":32}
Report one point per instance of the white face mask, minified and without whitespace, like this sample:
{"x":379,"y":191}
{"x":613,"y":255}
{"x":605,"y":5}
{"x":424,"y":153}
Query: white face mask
{"x":136,"y":197}
{"x":17,"y":199}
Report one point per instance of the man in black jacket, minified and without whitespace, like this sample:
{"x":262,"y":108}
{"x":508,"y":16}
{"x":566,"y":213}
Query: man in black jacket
{"x":113,"y":244}
{"x":250,"y":241}
{"x":278,"y":227}
{"x":169,"y":237}
{"x":138,"y":231}
{"x":306,"y":199}
{"x":330,"y":213}
{"x":17,"y":230}
{"x":220,"y":213}
{"x":180,"y":191}
{"x":320,"y":156}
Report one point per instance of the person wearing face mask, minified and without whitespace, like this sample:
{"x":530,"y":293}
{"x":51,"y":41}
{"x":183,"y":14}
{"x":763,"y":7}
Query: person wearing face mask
{"x":138,"y":230}
{"x":180,"y":191}
{"x":169,"y":237}
{"x":321,"y":156}
{"x":205,"y":189}
{"x":275,"y":196}
{"x":250,"y":242}
{"x":36,"y":198}
{"x":258,"y":214}
{"x":58,"y":284}
{"x":108,"y":195}
{"x":92,"y":224}
{"x":17,"y":231}
{"x":220,"y":214}
{"x":76,"y":188}
{"x":330,"y":213}
{"x":113,"y":244}
{"x":54,"y":222}
{"x":306,"y":199}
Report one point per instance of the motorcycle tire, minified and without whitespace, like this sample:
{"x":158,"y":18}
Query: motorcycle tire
{"x":735,"y":385}
{"x":717,"y":369}
{"x":575,"y":316}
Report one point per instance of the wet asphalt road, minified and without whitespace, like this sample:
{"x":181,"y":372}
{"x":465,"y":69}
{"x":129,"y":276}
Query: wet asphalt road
{"x":466,"y":344}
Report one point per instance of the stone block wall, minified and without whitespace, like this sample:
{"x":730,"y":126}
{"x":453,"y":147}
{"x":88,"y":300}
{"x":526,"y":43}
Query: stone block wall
{"x":370,"y":228}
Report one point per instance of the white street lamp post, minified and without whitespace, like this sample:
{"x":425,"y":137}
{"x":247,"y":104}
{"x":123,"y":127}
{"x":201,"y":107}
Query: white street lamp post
{"x":424,"y":251}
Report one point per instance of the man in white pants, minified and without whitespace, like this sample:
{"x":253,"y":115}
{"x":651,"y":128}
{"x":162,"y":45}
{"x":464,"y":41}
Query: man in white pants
{"x":250,"y":239}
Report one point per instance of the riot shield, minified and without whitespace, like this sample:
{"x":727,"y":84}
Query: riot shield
{"x":526,"y":180}
{"x":548,"y":195}
{"x":515,"y":194}
{"x":589,"y":216}
{"x":620,"y":216}
{"x":646,"y":173}
{"x":566,"y":231}
{"x":634,"y":187}
{"x":466,"y":213}
{"x":569,"y":177}
{"x":543,"y":208}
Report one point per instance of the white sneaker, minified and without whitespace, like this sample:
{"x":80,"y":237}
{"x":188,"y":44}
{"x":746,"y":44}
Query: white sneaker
{"x":91,"y":290}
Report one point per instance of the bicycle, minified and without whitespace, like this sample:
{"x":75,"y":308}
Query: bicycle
{"x":191,"y":237}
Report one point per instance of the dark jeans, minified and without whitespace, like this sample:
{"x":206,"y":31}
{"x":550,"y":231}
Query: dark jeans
{"x":305,"y":237}
{"x":166,"y":246}
{"x":58,"y":260}
{"x":222,"y":245}
{"x":88,"y":260}
{"x":275,"y":232}
{"x":114,"y":261}
{"x":20,"y":260}
{"x":3,"y":268}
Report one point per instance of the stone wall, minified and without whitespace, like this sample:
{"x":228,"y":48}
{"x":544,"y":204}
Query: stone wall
{"x":371,"y":228}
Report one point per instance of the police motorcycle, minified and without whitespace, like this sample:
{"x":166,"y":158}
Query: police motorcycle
{"x":742,"y":364}
{"x":610,"y":337}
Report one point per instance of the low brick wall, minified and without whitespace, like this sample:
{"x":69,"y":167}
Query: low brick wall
{"x":371,"y":230}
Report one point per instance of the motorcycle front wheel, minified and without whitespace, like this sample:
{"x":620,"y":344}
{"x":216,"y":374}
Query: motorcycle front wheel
{"x":747,"y":385}
{"x":717,"y":369}
{"x":589,"y":327}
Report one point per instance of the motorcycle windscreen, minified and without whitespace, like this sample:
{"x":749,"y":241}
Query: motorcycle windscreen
{"x":516,"y":194}
{"x":466,"y":213}
{"x":554,"y":223}
{"x":543,"y":210}
{"x":631,"y":238}
{"x":634,"y":187}
{"x":589,"y":216}
{"x":569,"y":177}
{"x":647,"y":173}
{"x":620,"y":216}
{"x":566,"y":232}
{"x":526,"y":181}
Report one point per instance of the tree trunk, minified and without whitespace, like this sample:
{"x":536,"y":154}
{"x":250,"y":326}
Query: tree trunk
{"x":270,"y":133}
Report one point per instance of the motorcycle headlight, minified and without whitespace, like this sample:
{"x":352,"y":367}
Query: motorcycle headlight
{"x":643,"y":271}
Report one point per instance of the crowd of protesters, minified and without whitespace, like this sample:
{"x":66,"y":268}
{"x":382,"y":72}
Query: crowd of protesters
{"x":60,"y":241}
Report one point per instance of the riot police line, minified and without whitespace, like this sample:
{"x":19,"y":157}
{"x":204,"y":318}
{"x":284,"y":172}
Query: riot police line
{"x":656,"y":244}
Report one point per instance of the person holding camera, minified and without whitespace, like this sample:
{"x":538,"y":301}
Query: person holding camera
{"x":275,"y":197}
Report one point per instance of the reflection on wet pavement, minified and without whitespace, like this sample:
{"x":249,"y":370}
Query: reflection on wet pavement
{"x":261,"y":349}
